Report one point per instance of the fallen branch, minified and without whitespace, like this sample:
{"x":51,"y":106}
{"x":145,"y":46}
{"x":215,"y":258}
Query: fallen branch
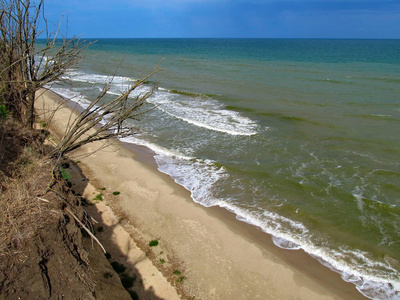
{"x":87,"y":230}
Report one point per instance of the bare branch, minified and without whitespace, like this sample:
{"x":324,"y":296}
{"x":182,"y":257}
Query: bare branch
{"x":104,"y":121}
{"x":87,"y":230}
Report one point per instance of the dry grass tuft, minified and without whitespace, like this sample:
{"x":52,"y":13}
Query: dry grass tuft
{"x":21,"y":212}
{"x":24,"y":174}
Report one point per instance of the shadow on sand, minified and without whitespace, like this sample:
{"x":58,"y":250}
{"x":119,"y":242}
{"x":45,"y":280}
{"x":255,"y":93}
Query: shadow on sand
{"x":129,"y":274}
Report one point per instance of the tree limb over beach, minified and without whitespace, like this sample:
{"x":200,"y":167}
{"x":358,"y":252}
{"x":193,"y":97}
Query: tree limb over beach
{"x":107,"y":120}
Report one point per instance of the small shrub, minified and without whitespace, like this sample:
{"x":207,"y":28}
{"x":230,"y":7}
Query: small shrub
{"x":102,"y":189}
{"x":100,"y":229}
{"x":177,"y":272}
{"x":118,"y":267}
{"x":65,"y":165}
{"x":127,"y":281}
{"x":153,"y":243}
{"x":162,"y":260}
{"x":116,"y":193}
{"x":4,"y":113}
{"x":64,"y":174}
{"x":98,"y":197}
{"x":107,"y":275}
{"x":181,"y":279}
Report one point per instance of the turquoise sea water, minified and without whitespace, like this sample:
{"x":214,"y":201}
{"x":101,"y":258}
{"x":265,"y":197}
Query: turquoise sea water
{"x":298,"y":137}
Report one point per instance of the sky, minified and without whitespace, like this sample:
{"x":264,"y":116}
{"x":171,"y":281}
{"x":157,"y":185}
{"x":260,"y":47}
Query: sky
{"x":227,"y":18}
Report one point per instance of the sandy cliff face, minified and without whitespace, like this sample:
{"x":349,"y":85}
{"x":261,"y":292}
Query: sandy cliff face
{"x":44,"y":253}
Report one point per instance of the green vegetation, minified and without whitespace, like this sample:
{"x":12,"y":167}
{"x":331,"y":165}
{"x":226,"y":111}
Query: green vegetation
{"x":102,"y":189}
{"x":4,"y":113}
{"x":65,"y":174}
{"x":181,"y":279}
{"x":153,"y":243}
{"x":116,"y":193}
{"x":98,"y":197}
{"x":162,"y":260}
{"x":107,"y":275}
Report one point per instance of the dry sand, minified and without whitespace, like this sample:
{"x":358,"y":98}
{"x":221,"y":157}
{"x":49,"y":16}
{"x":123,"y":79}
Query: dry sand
{"x":217,"y":256}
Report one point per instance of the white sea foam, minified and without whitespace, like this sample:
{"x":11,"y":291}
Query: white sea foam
{"x":156,"y":148}
{"x":196,"y":175}
{"x":97,"y":78}
{"x":205,"y":113}
{"x":285,"y":244}
{"x":351,"y":263}
{"x":380,"y":115}
{"x":72,"y":95}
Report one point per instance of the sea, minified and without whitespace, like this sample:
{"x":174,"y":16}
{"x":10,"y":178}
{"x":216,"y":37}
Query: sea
{"x":299,"y":137}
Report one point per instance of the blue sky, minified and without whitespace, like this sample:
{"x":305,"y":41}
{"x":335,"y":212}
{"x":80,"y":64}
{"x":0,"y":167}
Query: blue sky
{"x":228,"y":18}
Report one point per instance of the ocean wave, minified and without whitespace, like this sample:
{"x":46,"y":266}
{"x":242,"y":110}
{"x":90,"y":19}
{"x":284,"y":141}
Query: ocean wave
{"x":71,"y":95}
{"x":156,"y":148}
{"x":188,"y":107}
{"x":79,"y":76}
{"x":374,"y":279}
{"x":191,"y":94}
{"x":285,"y":244}
{"x":198,"y":176}
{"x":205,"y":113}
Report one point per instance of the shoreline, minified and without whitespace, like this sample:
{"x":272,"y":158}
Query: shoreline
{"x":219,"y":255}
{"x":299,"y":259}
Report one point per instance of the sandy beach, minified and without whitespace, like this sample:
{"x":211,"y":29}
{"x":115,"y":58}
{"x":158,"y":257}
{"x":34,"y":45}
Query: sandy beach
{"x":202,"y":252}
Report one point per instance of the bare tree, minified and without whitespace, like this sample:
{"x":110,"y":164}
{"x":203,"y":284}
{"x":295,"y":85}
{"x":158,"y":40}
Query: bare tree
{"x":24,"y":68}
{"x":102,"y":121}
